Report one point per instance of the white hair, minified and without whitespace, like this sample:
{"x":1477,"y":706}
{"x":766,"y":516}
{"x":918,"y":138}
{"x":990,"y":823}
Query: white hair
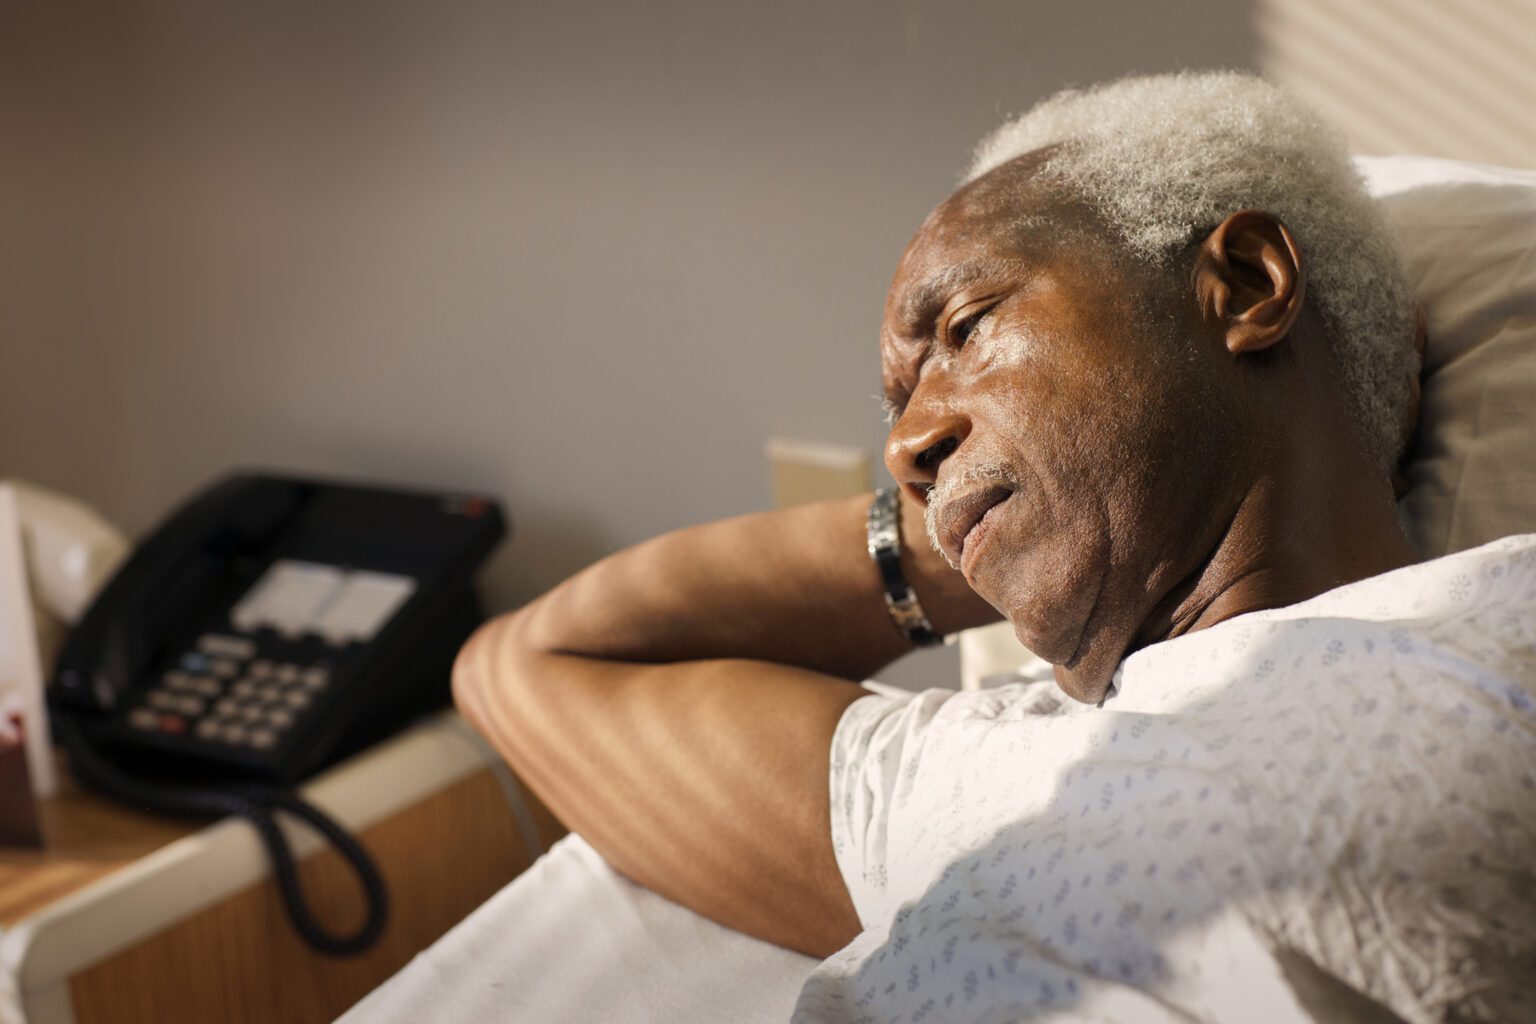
{"x":1164,"y":159}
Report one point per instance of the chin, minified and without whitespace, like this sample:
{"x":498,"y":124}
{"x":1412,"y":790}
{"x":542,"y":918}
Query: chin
{"x":1053,"y":614}
{"x":1084,"y":661}
{"x":1047,"y":609}
{"x":1087,"y":681}
{"x":1046,"y":639}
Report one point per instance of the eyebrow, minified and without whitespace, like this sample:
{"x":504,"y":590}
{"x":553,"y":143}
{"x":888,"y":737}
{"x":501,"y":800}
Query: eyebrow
{"x":924,"y":300}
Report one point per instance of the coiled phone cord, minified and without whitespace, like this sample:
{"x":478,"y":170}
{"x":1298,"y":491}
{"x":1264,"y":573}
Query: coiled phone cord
{"x":257,"y":804}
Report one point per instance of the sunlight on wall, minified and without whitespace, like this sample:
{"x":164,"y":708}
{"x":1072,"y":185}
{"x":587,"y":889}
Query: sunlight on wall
{"x":1452,"y":79}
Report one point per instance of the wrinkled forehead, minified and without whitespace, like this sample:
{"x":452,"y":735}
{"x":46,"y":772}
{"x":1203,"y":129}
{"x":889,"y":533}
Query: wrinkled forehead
{"x":1004,"y":222}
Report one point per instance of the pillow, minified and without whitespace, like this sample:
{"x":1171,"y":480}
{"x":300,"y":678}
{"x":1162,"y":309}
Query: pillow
{"x":1469,"y":239}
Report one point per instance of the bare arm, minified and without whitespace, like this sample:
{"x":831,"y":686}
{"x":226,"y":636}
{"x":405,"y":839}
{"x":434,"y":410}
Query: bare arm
{"x":675,"y":705}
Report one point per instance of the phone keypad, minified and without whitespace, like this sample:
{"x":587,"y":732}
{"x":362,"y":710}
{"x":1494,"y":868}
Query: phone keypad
{"x":223,"y":694}
{"x":220,"y":645}
{"x":224,"y":668}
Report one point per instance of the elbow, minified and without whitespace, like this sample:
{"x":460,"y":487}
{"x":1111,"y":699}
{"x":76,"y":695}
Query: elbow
{"x":484,"y":665}
{"x":466,"y":677}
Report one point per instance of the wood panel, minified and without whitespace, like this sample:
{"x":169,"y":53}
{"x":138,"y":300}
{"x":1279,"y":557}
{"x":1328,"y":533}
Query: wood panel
{"x":241,"y":960}
{"x":87,"y":838}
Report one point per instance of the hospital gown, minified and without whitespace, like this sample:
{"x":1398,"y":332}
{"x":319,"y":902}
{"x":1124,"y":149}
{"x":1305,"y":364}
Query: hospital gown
{"x":1325,"y":812}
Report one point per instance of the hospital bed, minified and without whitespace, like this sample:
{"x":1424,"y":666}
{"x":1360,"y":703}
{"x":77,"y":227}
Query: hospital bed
{"x":572,"y":941}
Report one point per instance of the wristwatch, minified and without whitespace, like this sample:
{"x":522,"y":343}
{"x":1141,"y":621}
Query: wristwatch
{"x":883,"y":532}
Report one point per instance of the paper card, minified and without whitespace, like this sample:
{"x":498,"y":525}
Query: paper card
{"x":26,"y":760}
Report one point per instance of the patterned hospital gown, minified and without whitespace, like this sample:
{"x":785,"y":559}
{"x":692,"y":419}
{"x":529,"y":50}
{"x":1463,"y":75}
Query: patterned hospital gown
{"x":1324,"y":812}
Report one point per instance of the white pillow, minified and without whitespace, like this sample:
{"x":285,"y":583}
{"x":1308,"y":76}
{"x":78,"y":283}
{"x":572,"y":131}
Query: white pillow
{"x":1469,"y":238}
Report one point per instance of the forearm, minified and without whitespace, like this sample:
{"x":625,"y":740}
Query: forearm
{"x":675,"y":704}
{"x":794,"y":586}
{"x":704,"y":781}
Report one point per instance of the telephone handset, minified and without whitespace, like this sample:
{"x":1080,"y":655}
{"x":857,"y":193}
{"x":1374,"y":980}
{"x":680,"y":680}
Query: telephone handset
{"x":269,"y":627}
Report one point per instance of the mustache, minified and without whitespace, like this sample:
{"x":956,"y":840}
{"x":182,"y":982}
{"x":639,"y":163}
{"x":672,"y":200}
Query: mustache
{"x":947,"y":489}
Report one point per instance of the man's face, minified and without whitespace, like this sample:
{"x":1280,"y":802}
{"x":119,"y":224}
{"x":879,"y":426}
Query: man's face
{"x":1057,"y":419}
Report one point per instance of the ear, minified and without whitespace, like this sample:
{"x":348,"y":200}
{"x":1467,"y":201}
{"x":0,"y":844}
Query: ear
{"x":1249,"y":276}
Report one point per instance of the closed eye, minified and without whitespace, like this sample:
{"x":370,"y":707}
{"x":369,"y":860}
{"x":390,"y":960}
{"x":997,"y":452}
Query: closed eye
{"x":960,"y":331}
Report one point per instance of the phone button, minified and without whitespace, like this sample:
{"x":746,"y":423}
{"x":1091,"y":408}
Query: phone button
{"x":315,"y":678}
{"x":222,"y":646}
{"x":173,"y":724}
{"x":208,"y":729}
{"x":296,"y":699}
{"x":224,"y":667}
{"x":261,"y":739}
{"x":163,"y":700}
{"x":143,"y":718}
{"x":280,"y":718}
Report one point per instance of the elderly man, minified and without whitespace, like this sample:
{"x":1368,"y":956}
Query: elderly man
{"x":1150,"y":369}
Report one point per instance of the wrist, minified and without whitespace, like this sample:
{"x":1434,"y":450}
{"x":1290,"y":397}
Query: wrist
{"x":884,"y":542}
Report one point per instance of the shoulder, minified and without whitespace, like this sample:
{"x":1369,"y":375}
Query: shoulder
{"x":1470,"y":616}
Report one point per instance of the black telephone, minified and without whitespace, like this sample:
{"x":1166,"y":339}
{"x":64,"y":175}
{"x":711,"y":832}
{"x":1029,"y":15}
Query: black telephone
{"x":269,"y":627}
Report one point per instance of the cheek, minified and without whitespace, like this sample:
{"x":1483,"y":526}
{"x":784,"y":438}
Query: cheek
{"x":1084,"y":447}
{"x":1062,"y":432}
{"x":1050,"y":595}
{"x":1043,"y":570}
{"x":1093,"y":431}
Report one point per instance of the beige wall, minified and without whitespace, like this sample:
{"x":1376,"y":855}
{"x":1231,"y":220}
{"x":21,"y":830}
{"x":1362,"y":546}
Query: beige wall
{"x":1450,"y":78}
{"x":586,"y":257}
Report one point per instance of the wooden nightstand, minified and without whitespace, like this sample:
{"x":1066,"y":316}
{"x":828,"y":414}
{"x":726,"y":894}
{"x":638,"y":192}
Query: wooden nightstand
{"x":127,"y":917}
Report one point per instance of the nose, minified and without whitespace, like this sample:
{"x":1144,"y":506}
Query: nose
{"x":919,"y":443}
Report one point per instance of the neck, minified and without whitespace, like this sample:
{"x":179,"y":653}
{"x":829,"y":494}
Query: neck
{"x":1299,"y":530}
{"x":1316,"y":521}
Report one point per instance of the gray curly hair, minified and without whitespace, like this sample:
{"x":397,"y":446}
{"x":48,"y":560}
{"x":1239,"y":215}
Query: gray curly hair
{"x":1164,"y":159}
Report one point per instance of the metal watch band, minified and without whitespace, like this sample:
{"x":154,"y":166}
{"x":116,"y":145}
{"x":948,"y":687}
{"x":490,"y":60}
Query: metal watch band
{"x":883,"y":532}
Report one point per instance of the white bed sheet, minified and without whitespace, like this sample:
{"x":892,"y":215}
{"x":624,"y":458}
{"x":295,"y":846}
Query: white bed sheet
{"x":572,"y":940}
